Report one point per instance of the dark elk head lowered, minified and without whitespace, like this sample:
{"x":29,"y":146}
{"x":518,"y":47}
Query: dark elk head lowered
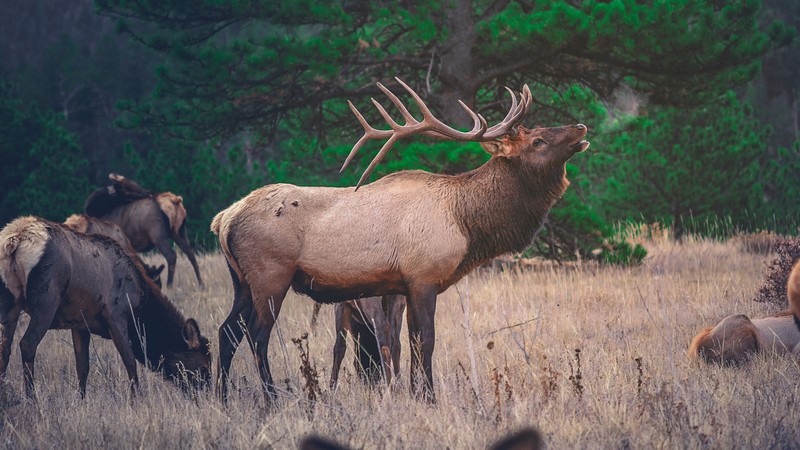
{"x":535,"y":147}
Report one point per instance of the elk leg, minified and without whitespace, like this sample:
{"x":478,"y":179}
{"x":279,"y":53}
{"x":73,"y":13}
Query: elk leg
{"x":394,"y":305}
{"x":259,"y":329}
{"x":422,"y":337}
{"x":231,"y":331}
{"x":42,"y":306}
{"x":315,"y":315}
{"x":182,"y":239}
{"x":342,"y":313}
{"x":374,"y":350}
{"x":118,"y":328}
{"x":165,"y":249}
{"x":380,"y":325}
{"x":9,"y":325}
{"x":268,"y":291}
{"x":80,"y":343}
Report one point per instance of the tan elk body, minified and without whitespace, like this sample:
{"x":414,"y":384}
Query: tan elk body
{"x":149,"y":220}
{"x":736,"y":338}
{"x":412,"y":233}
{"x":86,"y":224}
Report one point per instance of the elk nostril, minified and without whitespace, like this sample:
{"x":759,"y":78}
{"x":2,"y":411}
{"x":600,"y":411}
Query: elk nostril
{"x":580,"y":126}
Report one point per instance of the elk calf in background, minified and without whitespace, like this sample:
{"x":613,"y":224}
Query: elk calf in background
{"x":411,"y":233}
{"x":86,"y":224}
{"x":734,"y":339}
{"x":149,"y":220}
{"x":87,"y":283}
{"x":374,"y":324}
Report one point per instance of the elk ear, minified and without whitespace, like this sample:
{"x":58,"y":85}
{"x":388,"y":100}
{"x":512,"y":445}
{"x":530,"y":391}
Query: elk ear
{"x":505,"y":147}
{"x":154,"y":271}
{"x":191,"y":334}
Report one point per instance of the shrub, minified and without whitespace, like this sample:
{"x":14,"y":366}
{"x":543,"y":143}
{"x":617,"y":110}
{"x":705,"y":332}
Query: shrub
{"x":774,"y":288}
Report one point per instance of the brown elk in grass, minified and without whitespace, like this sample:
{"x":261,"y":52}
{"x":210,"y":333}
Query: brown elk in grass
{"x":736,"y":338}
{"x":87,"y":283}
{"x":374,"y":323}
{"x":149,"y":220}
{"x":92,"y":225}
{"x":412,"y":233}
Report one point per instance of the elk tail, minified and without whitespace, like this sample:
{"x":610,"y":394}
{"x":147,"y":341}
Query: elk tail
{"x":793,"y":292}
{"x":220,"y":225}
{"x":172,"y":207}
{"x":22,"y":243}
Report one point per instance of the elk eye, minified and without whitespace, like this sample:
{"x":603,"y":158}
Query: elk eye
{"x":538,"y":141}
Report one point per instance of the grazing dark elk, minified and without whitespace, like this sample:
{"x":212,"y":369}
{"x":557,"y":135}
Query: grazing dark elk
{"x":524,"y":439}
{"x":412,"y":233}
{"x":87,"y":283}
{"x":149,"y":220}
{"x":83,"y":223}
{"x":736,"y":338}
{"x":374,"y":324}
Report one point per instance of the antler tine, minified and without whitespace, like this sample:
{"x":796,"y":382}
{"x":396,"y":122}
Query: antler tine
{"x":392,"y":124}
{"x":479,"y":126}
{"x":369,"y":133}
{"x":515,"y":114}
{"x":377,"y":159}
{"x":436,"y":128}
{"x":429,"y":125}
{"x":397,"y":103}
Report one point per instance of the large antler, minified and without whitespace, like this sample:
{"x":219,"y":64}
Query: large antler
{"x":431,"y":126}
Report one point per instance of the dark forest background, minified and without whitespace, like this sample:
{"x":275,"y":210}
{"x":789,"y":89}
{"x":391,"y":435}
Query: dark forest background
{"x":691,"y":105}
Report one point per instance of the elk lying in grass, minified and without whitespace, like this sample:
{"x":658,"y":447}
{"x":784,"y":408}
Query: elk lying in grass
{"x":793,"y":292}
{"x":374,"y":324}
{"x":149,"y":220}
{"x":87,"y":283}
{"x":411,"y":233}
{"x":734,"y":339}
{"x":83,"y":223}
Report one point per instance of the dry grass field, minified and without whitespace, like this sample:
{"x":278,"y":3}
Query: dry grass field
{"x":593,"y":357}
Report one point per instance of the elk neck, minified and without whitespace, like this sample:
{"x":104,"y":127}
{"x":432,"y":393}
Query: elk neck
{"x":501,"y":206}
{"x":156,"y":323}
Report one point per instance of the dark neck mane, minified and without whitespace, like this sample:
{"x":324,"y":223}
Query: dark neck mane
{"x":157,"y":324}
{"x":500,"y":207}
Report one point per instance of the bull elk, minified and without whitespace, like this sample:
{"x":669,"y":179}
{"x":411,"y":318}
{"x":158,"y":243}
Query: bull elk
{"x":87,"y":283}
{"x":412,"y":233}
{"x":149,"y":220}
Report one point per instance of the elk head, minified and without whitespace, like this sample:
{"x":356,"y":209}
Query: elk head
{"x":539,"y":147}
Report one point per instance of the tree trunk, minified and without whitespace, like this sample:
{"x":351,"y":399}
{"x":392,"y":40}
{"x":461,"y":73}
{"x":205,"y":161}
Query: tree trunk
{"x":457,"y":71}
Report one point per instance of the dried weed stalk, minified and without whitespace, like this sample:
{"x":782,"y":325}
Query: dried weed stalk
{"x":575,"y":376}
{"x":549,"y":379}
{"x":309,"y":372}
{"x":639,"y":376}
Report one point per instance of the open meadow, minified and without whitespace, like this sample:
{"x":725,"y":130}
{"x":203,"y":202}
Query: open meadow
{"x":594,"y":357}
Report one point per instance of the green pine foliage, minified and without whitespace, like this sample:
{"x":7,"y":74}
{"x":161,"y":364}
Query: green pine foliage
{"x":782,"y":174}
{"x":205,"y":176}
{"x":686,"y":166}
{"x":245,"y":66}
{"x":43,"y":171}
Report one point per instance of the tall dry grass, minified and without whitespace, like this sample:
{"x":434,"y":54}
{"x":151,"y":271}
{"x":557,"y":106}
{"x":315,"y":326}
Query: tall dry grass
{"x":593,"y":357}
